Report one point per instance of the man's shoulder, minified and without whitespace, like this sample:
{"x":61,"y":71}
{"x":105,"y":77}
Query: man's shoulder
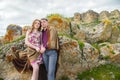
{"x":51,"y":28}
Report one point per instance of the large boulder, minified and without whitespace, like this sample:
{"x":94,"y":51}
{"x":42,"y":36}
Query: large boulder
{"x":73,"y":59}
{"x":115,"y":14}
{"x":100,"y":32}
{"x":104,"y":15}
{"x":24,"y":29}
{"x":15,"y":28}
{"x":110,"y":51}
{"x":77,"y":18}
{"x":115,"y":34}
{"x":7,"y":69}
{"x":12,"y":33}
{"x":77,"y":32}
{"x":90,"y":16}
{"x":61,"y":24}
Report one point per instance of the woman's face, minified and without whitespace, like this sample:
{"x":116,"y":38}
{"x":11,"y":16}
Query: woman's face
{"x":36,"y":24}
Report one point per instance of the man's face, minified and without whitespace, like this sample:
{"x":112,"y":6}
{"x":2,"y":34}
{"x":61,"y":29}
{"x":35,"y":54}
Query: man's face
{"x":44,"y":23}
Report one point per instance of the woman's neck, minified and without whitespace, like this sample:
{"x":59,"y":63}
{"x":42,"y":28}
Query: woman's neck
{"x":35,"y":30}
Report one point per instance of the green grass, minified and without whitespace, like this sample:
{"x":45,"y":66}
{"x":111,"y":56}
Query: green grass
{"x":64,"y":78}
{"x":16,"y":40}
{"x":20,"y":38}
{"x":102,"y":72}
{"x":96,"y":45}
{"x":1,"y":79}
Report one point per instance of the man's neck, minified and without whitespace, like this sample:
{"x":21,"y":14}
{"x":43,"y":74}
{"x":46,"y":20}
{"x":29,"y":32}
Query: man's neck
{"x":44,"y":29}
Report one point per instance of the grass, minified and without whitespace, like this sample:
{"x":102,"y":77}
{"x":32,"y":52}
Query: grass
{"x":20,"y":38}
{"x":16,"y":40}
{"x":1,"y":79}
{"x":64,"y":78}
{"x":95,"y":45}
{"x":102,"y":72}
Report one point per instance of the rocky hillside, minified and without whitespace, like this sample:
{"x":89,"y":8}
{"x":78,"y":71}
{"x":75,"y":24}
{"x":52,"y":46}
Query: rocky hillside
{"x":84,"y":44}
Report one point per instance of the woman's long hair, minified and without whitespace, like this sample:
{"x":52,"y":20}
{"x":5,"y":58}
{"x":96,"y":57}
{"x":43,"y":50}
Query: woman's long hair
{"x":39,"y":29}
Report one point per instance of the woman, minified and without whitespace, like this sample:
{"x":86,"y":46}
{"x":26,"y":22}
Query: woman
{"x":33,"y":40}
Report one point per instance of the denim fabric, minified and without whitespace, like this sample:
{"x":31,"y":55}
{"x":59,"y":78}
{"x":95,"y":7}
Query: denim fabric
{"x":50,"y":59}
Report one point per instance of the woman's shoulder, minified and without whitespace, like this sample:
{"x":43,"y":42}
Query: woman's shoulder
{"x":28,"y":31}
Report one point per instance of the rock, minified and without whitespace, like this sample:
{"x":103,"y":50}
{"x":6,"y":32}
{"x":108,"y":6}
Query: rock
{"x":60,"y":24}
{"x":24,"y":29}
{"x":104,"y":15}
{"x":115,"y":14}
{"x":109,"y":50}
{"x":115,"y":34}
{"x":100,"y":32}
{"x":77,"y":32}
{"x":13,"y":32}
{"x":89,"y":16}
{"x":15,"y":28}
{"x":77,"y":18}
{"x":73,"y":60}
{"x":7,"y":70}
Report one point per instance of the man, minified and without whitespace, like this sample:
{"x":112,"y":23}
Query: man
{"x":50,"y":42}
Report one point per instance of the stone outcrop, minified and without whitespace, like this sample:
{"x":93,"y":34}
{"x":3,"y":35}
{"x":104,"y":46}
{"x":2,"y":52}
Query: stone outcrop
{"x":77,"y":32}
{"x":72,"y":59}
{"x":15,"y":28}
{"x":115,"y":14}
{"x":60,"y":24}
{"x":104,"y":15}
{"x":77,"y":18}
{"x":12,"y":33}
{"x":101,"y":32}
{"x":115,"y":34}
{"x":24,"y":29}
{"x":89,"y":16}
{"x":110,"y":50}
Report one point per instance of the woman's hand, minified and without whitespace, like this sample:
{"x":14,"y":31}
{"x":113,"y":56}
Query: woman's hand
{"x":37,"y":49}
{"x":42,"y":49}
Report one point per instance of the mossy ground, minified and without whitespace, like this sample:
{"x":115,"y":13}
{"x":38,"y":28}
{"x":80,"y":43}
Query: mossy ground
{"x":102,"y":72}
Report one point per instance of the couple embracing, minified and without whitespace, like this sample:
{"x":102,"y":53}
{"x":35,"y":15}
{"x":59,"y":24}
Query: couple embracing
{"x":44,"y":39}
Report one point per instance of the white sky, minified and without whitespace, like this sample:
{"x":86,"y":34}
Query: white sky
{"x":23,"y":12}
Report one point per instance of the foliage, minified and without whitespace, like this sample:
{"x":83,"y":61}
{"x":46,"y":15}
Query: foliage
{"x":64,"y":78}
{"x":81,"y":44}
{"x":102,"y":72}
{"x":54,"y":15}
{"x":16,"y":40}
{"x":95,"y":45}
{"x":112,"y":52}
{"x":106,"y":57}
{"x":20,"y":38}
{"x":1,"y":79}
{"x":92,"y":23}
{"x":119,"y":28}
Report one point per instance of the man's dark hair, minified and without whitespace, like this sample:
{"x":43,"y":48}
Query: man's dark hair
{"x":44,"y":19}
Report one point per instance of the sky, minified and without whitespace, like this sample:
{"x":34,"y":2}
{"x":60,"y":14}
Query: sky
{"x":23,"y":12}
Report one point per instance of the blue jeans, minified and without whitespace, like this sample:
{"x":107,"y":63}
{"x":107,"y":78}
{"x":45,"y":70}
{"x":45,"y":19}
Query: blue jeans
{"x":50,"y":59}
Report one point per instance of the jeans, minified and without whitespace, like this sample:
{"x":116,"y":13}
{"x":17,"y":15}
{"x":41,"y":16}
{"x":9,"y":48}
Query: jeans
{"x":50,"y":59}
